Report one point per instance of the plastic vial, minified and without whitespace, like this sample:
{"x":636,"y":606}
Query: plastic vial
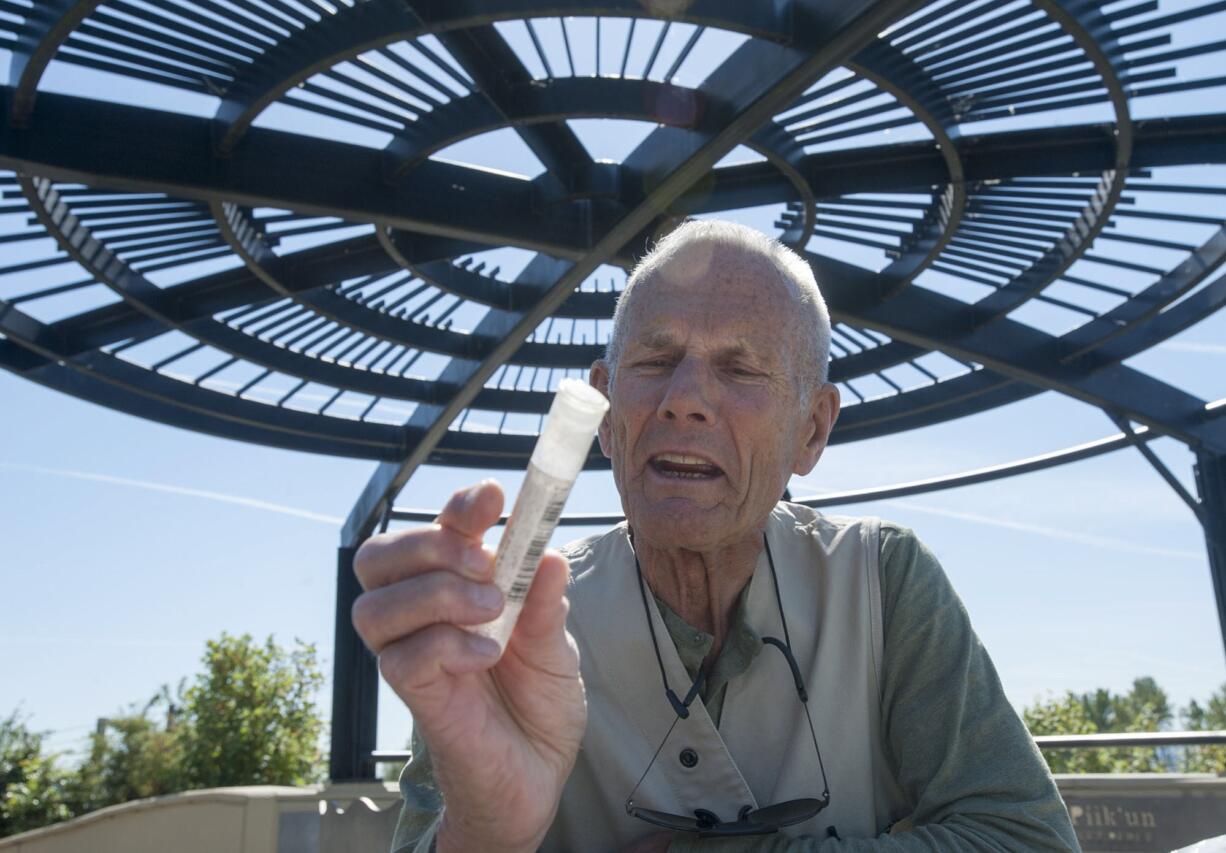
{"x":556,"y":461}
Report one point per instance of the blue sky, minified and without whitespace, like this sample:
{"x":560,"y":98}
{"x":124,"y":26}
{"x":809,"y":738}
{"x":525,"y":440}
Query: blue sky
{"x":128,"y":544}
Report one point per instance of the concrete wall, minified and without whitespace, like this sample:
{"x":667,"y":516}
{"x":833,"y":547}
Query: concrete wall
{"x":1133,"y":813}
{"x":263,"y":819}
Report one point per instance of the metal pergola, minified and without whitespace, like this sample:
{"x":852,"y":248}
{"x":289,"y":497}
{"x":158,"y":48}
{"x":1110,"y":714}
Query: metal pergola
{"x":987,"y":212}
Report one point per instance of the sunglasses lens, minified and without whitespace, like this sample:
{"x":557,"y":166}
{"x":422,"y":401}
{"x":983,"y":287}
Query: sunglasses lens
{"x":680,"y":823}
{"x":786,"y":814}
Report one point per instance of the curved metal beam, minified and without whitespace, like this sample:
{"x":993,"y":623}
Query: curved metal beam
{"x":535,"y":102}
{"x":313,"y":269}
{"x":1041,"y":462}
{"x":246,"y":241}
{"x":950,"y":399}
{"x":917,"y":166}
{"x":47,"y":26}
{"x":1141,"y":321}
{"x":551,"y":101}
{"x":126,"y":148}
{"x":378,"y":23}
{"x":885,"y":67}
{"x":1135,"y":325}
{"x":152,"y":301}
{"x":1092,"y":34}
{"x":78,"y":241}
{"x":874,"y":418}
{"x":548,"y":102}
{"x":894,"y":72}
{"x":163,"y":409}
{"x":1170,"y":322}
{"x":1130,"y":327}
{"x":106,"y":379}
{"x":911,"y":85}
{"x":314,"y":48}
{"x":139,"y":150}
{"x":215,"y":293}
{"x":927,"y":319}
{"x":242,"y":236}
{"x":496,"y":69}
{"x":487,"y":290}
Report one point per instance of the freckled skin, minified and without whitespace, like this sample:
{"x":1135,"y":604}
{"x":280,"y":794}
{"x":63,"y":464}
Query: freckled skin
{"x":710,"y":367}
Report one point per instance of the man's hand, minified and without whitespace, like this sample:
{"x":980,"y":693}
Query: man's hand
{"x":503,"y":734}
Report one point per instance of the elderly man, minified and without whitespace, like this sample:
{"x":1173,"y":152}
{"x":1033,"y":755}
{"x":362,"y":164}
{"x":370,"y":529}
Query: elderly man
{"x":724,"y":671}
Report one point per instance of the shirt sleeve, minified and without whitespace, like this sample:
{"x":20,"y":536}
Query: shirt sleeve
{"x":960,"y":752}
{"x":423,"y":803}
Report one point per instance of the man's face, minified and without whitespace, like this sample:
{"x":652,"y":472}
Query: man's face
{"x":706,"y":423}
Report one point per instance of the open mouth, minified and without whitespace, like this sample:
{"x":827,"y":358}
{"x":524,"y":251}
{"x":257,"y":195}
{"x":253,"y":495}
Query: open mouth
{"x":685,"y":467}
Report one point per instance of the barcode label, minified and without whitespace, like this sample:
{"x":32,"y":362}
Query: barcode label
{"x":529,"y":529}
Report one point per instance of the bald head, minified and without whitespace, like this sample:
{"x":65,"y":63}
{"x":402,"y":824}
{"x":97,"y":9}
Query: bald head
{"x":698,"y":241}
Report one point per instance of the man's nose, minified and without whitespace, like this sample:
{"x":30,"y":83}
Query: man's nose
{"x":689,"y":395}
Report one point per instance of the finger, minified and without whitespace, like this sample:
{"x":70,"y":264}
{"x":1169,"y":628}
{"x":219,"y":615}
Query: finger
{"x":389,"y":613}
{"x":391,"y":557}
{"x":415,"y":664}
{"x":472,"y":511}
{"x":545,"y":608}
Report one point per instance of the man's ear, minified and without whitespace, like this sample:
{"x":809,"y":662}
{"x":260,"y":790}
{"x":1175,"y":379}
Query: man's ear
{"x":819,"y":421}
{"x":599,"y":377}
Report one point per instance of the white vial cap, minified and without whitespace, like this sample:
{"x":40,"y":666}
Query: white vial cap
{"x":573,"y":420}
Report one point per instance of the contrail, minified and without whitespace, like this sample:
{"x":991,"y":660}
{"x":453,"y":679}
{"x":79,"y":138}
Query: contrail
{"x":238,"y":500}
{"x":1051,"y":532}
{"x":1041,"y":530}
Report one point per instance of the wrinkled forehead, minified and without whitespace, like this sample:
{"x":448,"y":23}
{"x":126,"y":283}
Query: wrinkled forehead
{"x":708,"y":279}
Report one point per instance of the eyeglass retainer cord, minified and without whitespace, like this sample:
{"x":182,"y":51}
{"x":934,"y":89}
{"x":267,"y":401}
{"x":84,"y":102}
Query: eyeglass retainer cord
{"x":682,"y":708}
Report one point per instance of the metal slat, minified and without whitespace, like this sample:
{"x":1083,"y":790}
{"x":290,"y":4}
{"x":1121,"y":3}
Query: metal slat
{"x":1192,"y":14}
{"x":175,"y":15}
{"x":112,"y":26}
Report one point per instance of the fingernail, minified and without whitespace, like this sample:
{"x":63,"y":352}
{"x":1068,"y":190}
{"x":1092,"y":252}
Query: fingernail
{"x":484,"y":646}
{"x":486,"y":596}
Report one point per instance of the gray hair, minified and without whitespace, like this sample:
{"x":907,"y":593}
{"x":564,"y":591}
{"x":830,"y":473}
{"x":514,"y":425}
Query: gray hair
{"x":794,"y":271}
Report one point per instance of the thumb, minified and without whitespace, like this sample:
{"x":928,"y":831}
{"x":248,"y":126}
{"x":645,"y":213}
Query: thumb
{"x":543,"y":617}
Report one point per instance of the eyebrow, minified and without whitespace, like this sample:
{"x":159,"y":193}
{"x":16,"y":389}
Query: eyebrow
{"x":656,"y":340}
{"x":665,"y":340}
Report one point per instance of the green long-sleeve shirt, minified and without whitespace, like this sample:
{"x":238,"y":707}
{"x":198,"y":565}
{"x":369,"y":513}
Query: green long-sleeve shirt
{"x":959,"y":750}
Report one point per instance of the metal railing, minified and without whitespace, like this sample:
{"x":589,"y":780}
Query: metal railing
{"x":1109,"y":740}
{"x":1111,"y":443}
{"x":1129,"y":739}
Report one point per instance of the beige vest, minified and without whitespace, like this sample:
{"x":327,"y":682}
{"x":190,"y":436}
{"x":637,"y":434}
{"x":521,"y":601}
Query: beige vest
{"x":761,"y":753}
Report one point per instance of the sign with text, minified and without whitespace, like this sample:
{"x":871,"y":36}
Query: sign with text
{"x":1145,"y":823}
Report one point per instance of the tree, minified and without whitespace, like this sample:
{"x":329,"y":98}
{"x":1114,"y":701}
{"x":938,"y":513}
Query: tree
{"x":1144,"y":708}
{"x":250,"y":718}
{"x":131,"y":757}
{"x":1066,"y":715}
{"x":33,"y":790}
{"x":1206,"y":759}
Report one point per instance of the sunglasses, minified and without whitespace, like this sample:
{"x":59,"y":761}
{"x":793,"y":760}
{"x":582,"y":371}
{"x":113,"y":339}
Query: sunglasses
{"x":749,"y":821}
